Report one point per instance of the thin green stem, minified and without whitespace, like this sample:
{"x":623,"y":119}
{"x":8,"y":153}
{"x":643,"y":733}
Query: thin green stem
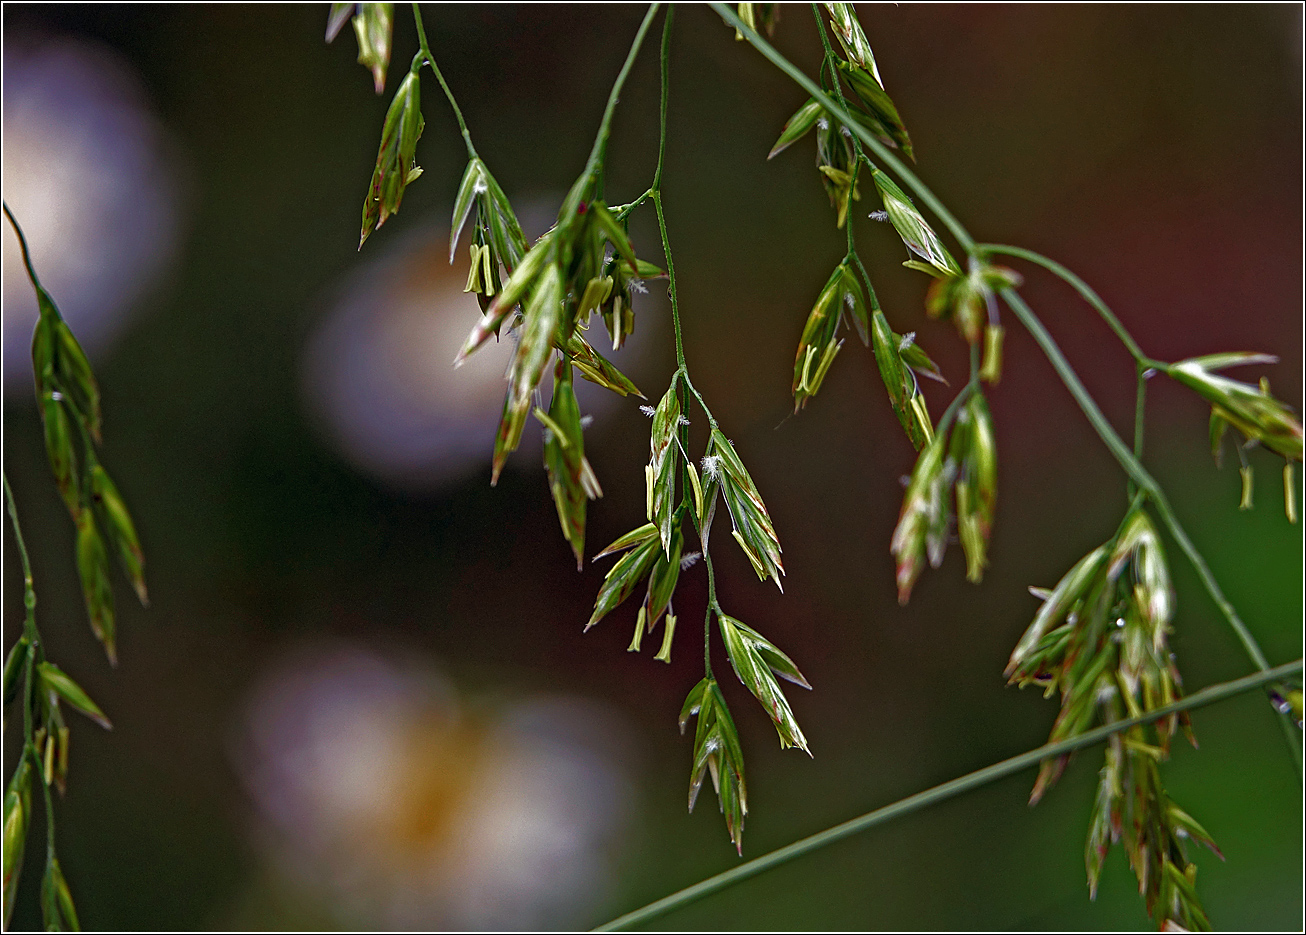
{"x":947,"y":790}
{"x":827,"y":58}
{"x":623,"y":212}
{"x":1133,"y":468}
{"x":827,"y":63}
{"x":1118,"y":449}
{"x":421,"y":31}
{"x":671,"y":282}
{"x":425,"y":52}
{"x":1131,"y":461}
{"x":1140,"y":413}
{"x":682,"y":371}
{"x":29,"y":590}
{"x":601,"y":139}
{"x":971,"y":387}
{"x":33,"y":638}
{"x":655,"y":190}
{"x":1083,"y":288}
{"x":707,"y":615}
{"x":1148,"y":485}
{"x":866,"y":281}
{"x":711,"y":419}
{"x":30,"y":633}
{"x":951,"y":412}
{"x":665,"y":72}
{"x":882,"y":152}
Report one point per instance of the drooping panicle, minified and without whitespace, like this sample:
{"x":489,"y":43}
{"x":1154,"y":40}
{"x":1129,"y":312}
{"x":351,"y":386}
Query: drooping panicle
{"x":1101,"y":640}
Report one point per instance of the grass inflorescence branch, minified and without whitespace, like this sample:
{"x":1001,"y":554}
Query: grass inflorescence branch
{"x":755,"y":660}
{"x":1081,"y":640}
{"x":69,"y":401}
{"x":1101,"y":636}
{"x":425,"y":56}
{"x":1083,"y":288}
{"x":903,"y":807}
{"x":545,"y":294}
{"x":1118,"y":449}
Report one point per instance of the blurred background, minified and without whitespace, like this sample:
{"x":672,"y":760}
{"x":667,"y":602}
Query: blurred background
{"x":361,"y":697}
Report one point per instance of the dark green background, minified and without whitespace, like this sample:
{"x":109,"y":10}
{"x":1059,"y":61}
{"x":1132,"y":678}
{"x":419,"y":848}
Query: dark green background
{"x":1154,"y":149}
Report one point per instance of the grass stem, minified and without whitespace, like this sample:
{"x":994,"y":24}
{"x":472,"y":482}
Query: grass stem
{"x":425,"y":50}
{"x":1131,"y":465}
{"x":939,"y":793}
